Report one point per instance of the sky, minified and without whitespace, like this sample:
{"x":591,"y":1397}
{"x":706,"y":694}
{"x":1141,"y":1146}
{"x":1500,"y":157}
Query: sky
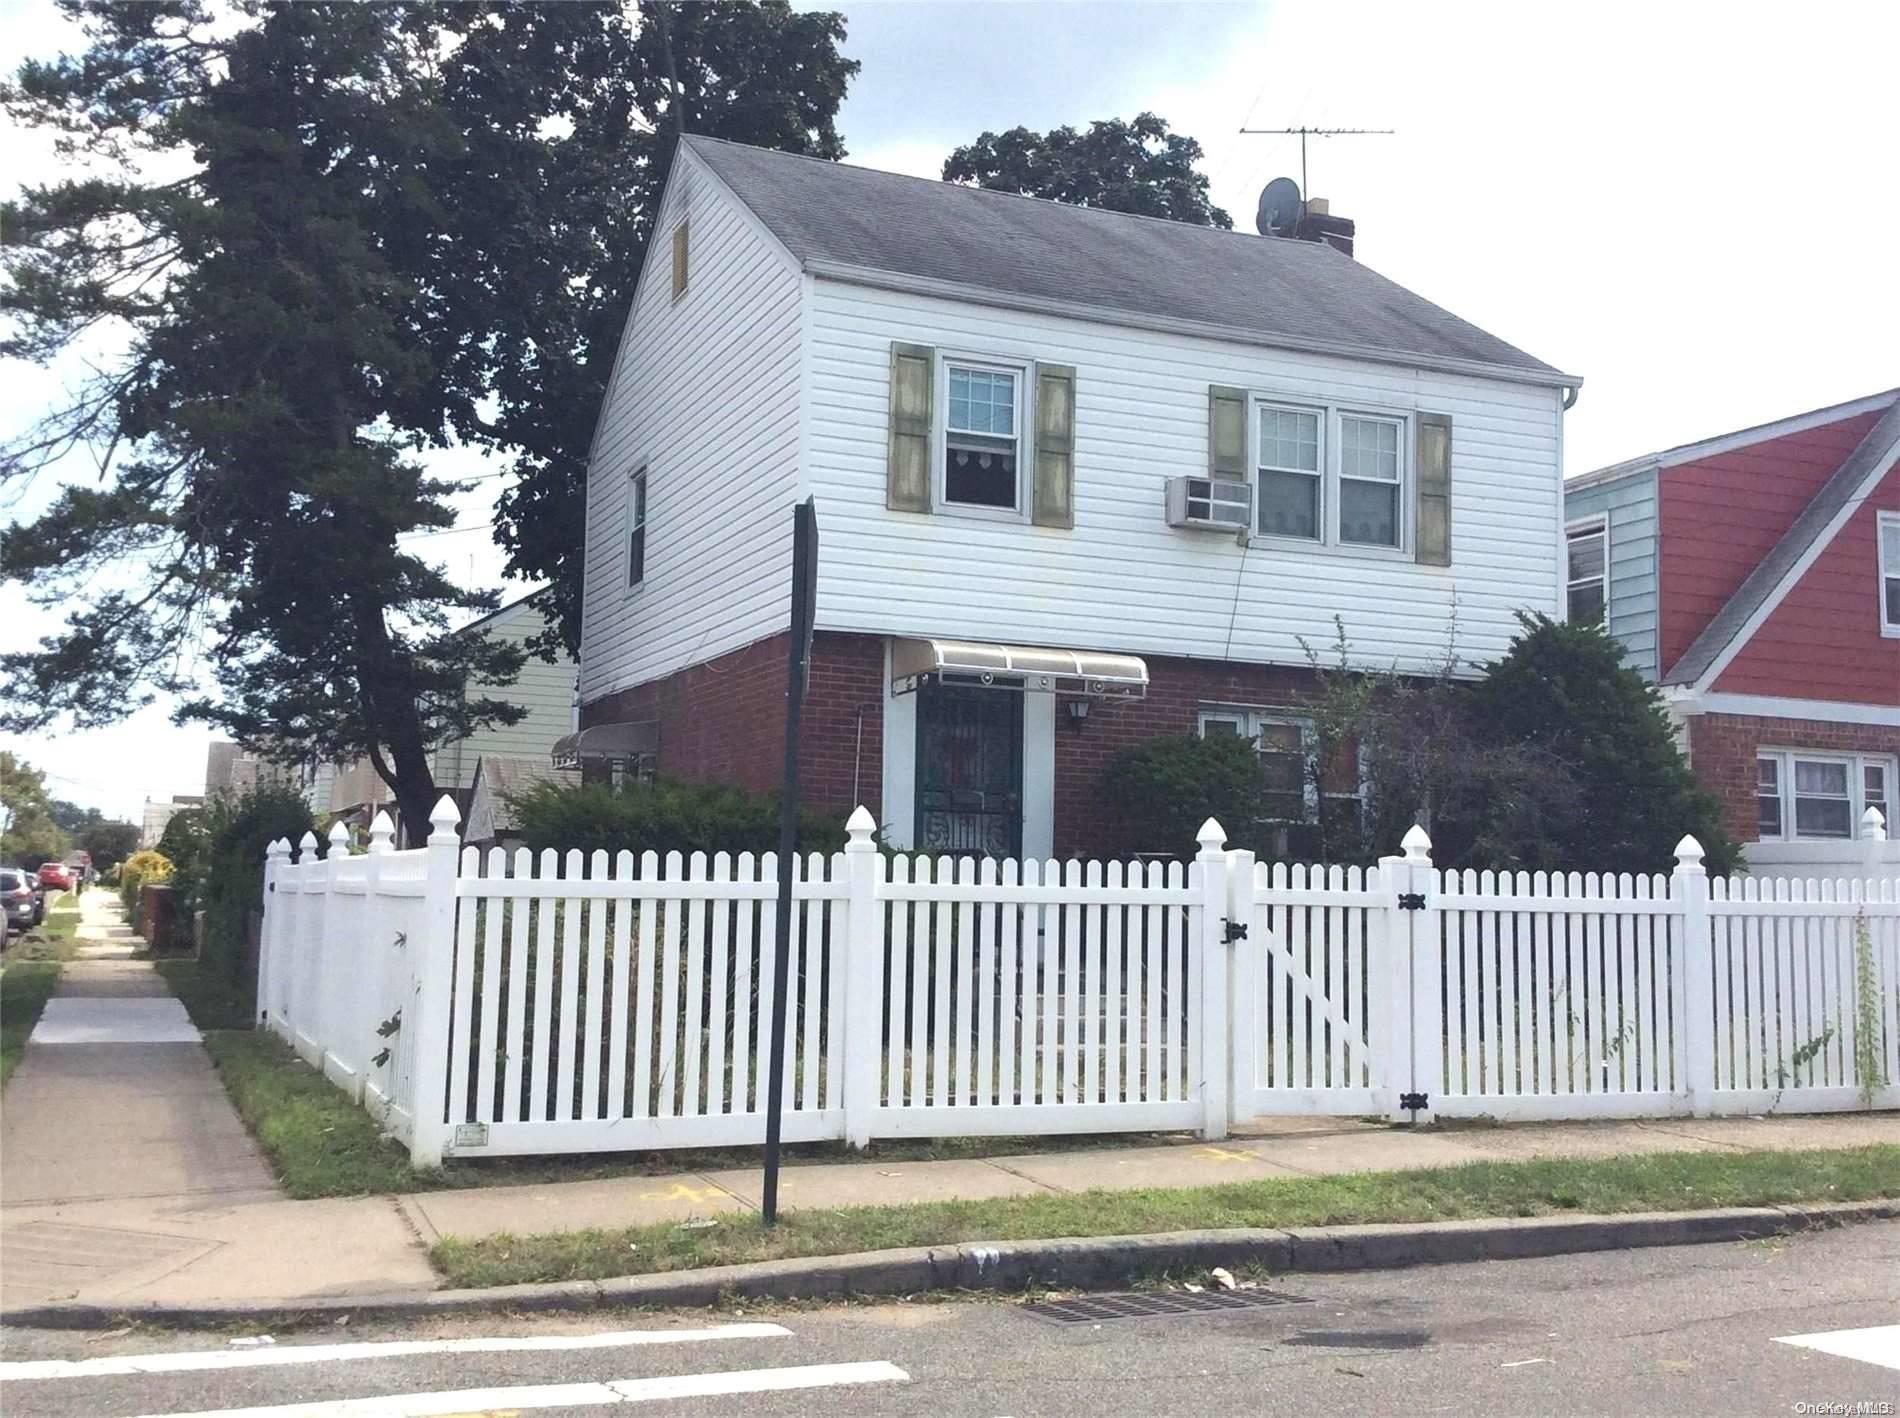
{"x":1691,"y":206}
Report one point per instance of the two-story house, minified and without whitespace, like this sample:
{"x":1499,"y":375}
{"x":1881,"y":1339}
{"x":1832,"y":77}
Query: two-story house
{"x":1082,"y":478}
{"x":1756,"y":577}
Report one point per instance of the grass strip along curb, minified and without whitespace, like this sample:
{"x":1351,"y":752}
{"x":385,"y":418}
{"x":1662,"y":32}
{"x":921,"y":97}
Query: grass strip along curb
{"x":1069,"y":1263}
{"x":25,"y":987}
{"x":1664,"y":1181}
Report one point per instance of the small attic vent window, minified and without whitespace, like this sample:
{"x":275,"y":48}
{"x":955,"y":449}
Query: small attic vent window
{"x":679,"y":260}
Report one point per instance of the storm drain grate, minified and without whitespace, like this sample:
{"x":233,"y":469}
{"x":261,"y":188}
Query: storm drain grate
{"x":1093,"y":1309}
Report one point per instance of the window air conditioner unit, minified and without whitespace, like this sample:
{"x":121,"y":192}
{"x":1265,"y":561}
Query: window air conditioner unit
{"x":1222,"y":504}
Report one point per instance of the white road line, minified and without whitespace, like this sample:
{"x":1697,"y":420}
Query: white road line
{"x":123,"y":1364}
{"x":1879,"y":1345}
{"x":579,"y":1395}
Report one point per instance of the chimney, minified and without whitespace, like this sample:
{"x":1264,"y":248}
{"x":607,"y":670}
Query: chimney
{"x":1317,"y":223}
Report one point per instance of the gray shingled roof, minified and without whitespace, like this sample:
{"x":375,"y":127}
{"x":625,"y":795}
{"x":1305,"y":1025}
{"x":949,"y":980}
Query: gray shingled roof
{"x":1264,"y":288}
{"x":1873,"y":451}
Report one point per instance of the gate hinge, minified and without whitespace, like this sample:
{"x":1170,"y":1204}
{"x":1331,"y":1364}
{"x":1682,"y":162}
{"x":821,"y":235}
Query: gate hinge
{"x":1232,"y":930}
{"x":1411,"y":901}
{"x":1415,"y":1102}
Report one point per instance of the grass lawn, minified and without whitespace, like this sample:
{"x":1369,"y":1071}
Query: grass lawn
{"x":319,"y":1143}
{"x":25,"y":986}
{"x":211,"y":1000}
{"x":1658,"y":1182}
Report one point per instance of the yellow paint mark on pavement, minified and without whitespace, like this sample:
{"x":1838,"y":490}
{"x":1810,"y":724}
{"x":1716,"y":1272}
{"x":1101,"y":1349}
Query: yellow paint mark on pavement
{"x":679,"y":1191}
{"x":1224,"y":1154}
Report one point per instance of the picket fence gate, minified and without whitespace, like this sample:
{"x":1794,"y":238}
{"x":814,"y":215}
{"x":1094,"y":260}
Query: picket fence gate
{"x":512,"y":1004}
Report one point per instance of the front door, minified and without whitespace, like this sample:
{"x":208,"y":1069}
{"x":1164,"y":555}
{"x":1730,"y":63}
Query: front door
{"x":969,"y":770}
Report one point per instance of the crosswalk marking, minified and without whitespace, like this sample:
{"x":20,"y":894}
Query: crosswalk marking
{"x":123,"y":1364}
{"x":1879,"y":1345}
{"x":574,"y":1395}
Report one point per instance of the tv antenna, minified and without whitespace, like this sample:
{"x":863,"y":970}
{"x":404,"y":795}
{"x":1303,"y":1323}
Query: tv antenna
{"x":1305,"y":133}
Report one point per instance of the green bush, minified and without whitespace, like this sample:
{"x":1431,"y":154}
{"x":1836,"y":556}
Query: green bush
{"x":186,"y":843}
{"x":135,"y":871}
{"x":664,"y":817}
{"x":238,"y":831}
{"x":1157,"y":794}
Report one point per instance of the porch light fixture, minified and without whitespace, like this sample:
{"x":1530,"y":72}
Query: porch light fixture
{"x":1078,"y":713}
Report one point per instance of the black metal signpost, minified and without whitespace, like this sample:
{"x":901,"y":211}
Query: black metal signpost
{"x":804,"y":610}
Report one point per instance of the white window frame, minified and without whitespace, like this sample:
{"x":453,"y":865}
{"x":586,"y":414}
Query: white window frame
{"x":1331,"y":441}
{"x":1884,"y":523}
{"x":1857,"y":765}
{"x":639,"y":515}
{"x":1020,"y":371}
{"x":1583,"y":527}
{"x":1252,"y":720}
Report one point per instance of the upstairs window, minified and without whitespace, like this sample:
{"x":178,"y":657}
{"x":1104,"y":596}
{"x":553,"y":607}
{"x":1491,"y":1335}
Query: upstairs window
{"x":1290,"y":472}
{"x":1329,"y":476}
{"x":1890,"y":573}
{"x":1588,"y":551}
{"x":637,"y":529}
{"x":1369,"y":481}
{"x":981,"y":436}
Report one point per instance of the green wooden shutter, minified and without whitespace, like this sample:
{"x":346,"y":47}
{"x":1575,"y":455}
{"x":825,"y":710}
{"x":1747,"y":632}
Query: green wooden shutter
{"x":1226,"y":432}
{"x":913,"y":378}
{"x":1053,"y":501}
{"x":1432,"y":544}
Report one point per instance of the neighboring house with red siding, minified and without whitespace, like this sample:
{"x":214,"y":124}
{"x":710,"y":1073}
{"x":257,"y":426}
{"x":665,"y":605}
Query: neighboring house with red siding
{"x":1756,"y":577}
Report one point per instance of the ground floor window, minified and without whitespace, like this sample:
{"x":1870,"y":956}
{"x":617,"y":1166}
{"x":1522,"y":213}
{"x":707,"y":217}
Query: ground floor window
{"x":1815,"y":796}
{"x":1301,"y":792}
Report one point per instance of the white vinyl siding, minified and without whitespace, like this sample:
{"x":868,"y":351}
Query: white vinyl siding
{"x":545,"y":690}
{"x":705,"y":397}
{"x":1122,"y":579}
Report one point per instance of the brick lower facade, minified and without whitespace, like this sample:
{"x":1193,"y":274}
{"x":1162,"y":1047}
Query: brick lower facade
{"x":723,"y":721}
{"x":1722,"y":749}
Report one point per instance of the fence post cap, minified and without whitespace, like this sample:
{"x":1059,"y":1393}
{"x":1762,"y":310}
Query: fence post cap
{"x":1873,"y":827}
{"x":339,"y":837}
{"x":382,"y":832}
{"x":307,"y":843}
{"x":1689,"y":854}
{"x":279,"y":847}
{"x":1212,"y":837}
{"x":444,"y":819}
{"x":862,"y":826}
{"x":1417,"y":843}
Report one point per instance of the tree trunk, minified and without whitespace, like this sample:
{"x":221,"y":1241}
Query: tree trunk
{"x":389,"y":709}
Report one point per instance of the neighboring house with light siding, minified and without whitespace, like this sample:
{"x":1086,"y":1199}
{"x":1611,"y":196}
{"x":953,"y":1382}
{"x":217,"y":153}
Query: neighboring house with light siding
{"x":1082,"y":478}
{"x":1756,"y":577}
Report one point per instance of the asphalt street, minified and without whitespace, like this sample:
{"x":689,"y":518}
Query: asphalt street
{"x":1684,"y":1331}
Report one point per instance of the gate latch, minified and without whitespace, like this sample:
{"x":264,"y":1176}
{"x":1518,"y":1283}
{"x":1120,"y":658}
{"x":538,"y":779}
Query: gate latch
{"x":1232,"y":930}
{"x":1411,"y":901}
{"x":1415,"y":1102}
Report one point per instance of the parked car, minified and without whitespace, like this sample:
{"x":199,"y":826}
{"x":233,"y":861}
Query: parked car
{"x":56,"y":876}
{"x":39,"y":896}
{"x":24,"y":905}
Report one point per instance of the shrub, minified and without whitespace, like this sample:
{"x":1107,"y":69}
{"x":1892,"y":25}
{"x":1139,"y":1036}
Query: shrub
{"x":237,"y":833}
{"x":186,"y":844}
{"x":135,"y":871}
{"x":664,"y":817}
{"x":1160,"y":792}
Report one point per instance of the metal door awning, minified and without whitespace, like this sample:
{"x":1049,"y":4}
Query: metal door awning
{"x":607,"y":741}
{"x":1025,"y":667}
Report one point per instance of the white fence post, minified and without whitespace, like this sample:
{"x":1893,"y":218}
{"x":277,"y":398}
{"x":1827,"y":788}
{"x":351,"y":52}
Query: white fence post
{"x":1211,"y":1044}
{"x":271,"y":932}
{"x":1246,"y":987}
{"x":431,"y":994}
{"x":1873,"y":838}
{"x":1690,"y":885}
{"x":339,"y":956}
{"x":302,"y":1012}
{"x":1415,"y":931}
{"x":364,"y":1040}
{"x":862,"y":1055}
{"x":1389,"y":990}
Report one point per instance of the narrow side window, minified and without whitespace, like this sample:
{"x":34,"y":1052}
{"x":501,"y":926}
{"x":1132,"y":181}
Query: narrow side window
{"x":637,"y":528}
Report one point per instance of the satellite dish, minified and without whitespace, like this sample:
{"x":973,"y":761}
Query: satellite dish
{"x":1279,"y":207}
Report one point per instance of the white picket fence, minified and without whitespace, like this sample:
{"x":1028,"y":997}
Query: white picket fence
{"x":566,"y":1004}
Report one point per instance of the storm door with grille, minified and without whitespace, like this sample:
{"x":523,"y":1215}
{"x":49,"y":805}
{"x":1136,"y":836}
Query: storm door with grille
{"x":969,"y":770}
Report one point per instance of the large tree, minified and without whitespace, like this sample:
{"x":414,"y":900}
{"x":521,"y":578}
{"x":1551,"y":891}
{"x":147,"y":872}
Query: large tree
{"x":300,"y":228}
{"x":29,"y":833}
{"x":1124,"y":165}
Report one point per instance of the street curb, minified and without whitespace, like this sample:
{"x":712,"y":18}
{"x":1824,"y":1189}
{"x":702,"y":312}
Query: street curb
{"x":1074,"y":1263}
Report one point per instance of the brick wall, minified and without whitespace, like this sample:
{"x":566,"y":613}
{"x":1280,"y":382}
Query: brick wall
{"x":1722,"y":750}
{"x":724,"y":721}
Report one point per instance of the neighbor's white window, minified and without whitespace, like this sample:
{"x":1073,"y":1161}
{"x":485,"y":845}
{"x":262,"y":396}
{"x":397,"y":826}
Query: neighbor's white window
{"x":1819,"y":796}
{"x":982,"y":432}
{"x":1330,"y":476}
{"x":1890,"y":573}
{"x":637,"y":528}
{"x":1588,"y":551}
